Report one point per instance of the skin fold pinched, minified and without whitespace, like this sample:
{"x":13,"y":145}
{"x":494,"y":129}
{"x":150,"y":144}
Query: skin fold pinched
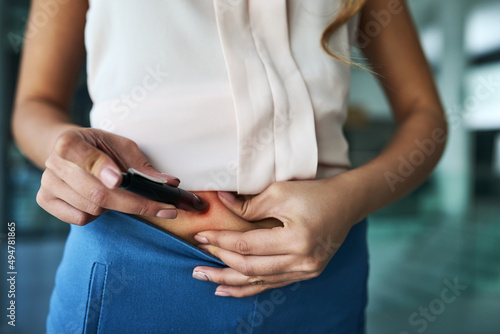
{"x":218,"y":217}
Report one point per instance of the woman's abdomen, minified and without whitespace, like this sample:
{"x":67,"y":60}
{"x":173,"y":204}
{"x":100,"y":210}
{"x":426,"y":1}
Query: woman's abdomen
{"x":218,"y":217}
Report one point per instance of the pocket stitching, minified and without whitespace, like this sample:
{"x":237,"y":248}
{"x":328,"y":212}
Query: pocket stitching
{"x":102,"y":298}
{"x":90,"y":296}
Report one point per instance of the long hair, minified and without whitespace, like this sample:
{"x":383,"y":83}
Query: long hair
{"x":349,"y":9}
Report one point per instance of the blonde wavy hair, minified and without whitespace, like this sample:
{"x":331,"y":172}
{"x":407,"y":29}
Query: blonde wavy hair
{"x":349,"y":9}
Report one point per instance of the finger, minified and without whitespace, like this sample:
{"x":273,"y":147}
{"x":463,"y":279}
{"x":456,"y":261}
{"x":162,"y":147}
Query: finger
{"x":250,"y":265}
{"x":73,"y":147}
{"x":59,"y":189}
{"x":133,"y":157}
{"x":264,"y":205}
{"x":114,"y":199}
{"x":246,"y":290}
{"x":229,"y":276}
{"x":275,"y":241}
{"x":62,"y":210}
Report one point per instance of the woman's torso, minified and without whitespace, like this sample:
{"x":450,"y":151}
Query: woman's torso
{"x":225,"y":95}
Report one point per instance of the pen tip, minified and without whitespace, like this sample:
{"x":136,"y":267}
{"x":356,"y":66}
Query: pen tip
{"x":201,"y":205}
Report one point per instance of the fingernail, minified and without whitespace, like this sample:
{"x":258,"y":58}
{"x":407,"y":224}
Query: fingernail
{"x":226,"y":195}
{"x":201,"y":276}
{"x":171,"y":179}
{"x":201,"y":239}
{"x":221,"y":293}
{"x":167,"y":213}
{"x":110,"y":177}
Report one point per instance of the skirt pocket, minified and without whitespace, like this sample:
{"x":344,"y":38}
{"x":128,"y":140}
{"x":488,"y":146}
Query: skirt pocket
{"x":97,"y":286}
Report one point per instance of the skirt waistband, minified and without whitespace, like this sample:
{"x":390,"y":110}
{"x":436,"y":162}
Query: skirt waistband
{"x":114,"y":229}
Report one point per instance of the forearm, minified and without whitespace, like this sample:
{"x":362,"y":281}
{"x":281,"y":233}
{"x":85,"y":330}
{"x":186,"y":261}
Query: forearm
{"x":402,"y":166}
{"x":36,"y":124}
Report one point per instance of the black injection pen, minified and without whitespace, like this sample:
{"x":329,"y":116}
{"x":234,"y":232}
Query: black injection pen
{"x":157,"y":189}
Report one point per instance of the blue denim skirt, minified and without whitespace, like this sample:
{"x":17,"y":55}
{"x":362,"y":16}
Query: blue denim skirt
{"x":121,"y":274}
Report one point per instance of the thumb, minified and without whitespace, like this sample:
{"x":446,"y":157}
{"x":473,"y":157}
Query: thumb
{"x":253,"y":209}
{"x":131,"y":156}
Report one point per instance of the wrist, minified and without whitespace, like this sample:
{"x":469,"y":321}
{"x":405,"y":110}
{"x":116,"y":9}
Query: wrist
{"x":348,"y":188}
{"x":45,"y":141}
{"x":36,"y":125}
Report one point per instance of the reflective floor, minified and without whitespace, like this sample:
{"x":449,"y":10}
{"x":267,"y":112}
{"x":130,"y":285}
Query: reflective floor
{"x":435,"y":275}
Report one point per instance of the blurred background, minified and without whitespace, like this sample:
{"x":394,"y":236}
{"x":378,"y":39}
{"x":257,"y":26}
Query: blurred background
{"x":435,"y":255}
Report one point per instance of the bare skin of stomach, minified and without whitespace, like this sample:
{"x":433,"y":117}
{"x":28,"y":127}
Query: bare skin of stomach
{"x":218,"y":217}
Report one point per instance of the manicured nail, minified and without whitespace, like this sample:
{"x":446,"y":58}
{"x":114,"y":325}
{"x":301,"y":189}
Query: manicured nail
{"x":201,"y":239}
{"x":201,"y":276}
{"x":221,"y":293}
{"x":226,"y":195}
{"x":172,"y":179}
{"x":167,"y":214}
{"x":110,"y":177}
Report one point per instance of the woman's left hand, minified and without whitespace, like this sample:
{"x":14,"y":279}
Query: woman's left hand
{"x":316,"y":217}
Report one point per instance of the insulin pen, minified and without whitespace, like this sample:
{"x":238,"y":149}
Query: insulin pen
{"x":157,"y":189}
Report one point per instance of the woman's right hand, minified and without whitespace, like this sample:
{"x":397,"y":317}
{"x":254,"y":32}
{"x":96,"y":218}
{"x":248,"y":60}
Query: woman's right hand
{"x":83,"y":173}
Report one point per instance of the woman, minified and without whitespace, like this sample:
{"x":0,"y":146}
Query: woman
{"x":238,"y":100}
